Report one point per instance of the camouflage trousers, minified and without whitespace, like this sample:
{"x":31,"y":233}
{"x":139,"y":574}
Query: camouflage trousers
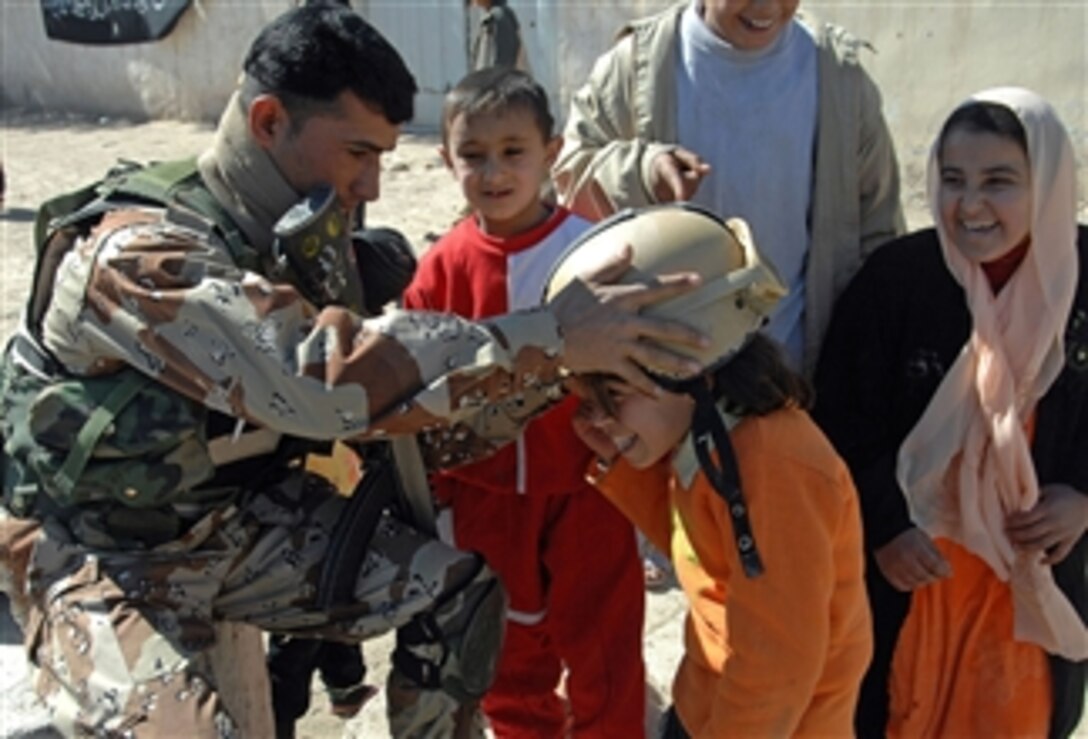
{"x":118,"y":639}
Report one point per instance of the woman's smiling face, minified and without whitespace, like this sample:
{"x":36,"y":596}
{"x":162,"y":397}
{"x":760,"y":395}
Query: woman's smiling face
{"x":984,"y":195}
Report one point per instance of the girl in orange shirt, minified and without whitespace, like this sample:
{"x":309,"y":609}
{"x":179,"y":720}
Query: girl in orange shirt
{"x":727,"y":473}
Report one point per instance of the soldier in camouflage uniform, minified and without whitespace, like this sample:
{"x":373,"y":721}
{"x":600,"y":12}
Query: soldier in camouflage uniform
{"x":164,"y":367}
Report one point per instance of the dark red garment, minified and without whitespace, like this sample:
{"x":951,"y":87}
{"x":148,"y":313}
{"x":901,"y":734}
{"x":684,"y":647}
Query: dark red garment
{"x":567,"y":557}
{"x":1001,"y":269}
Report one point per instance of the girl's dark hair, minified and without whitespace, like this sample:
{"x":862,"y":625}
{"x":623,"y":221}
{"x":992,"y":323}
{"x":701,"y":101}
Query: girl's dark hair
{"x":985,"y":117}
{"x":757,"y":381}
{"x":497,"y":89}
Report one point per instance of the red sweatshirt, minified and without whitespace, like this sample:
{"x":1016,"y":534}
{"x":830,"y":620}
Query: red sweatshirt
{"x":476,"y":275}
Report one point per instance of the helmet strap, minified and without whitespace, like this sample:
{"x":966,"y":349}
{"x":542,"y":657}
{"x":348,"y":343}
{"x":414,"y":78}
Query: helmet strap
{"x":707,"y":427}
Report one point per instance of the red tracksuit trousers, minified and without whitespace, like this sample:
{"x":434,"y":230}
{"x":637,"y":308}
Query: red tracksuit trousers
{"x":571,"y":568}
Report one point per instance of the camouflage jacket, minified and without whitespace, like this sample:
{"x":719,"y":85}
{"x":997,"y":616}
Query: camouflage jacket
{"x":152,"y":294}
{"x":146,"y":292}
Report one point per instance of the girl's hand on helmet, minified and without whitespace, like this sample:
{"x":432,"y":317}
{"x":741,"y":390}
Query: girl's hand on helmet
{"x":1053,"y":526}
{"x":603,"y":331}
{"x":911,"y":560}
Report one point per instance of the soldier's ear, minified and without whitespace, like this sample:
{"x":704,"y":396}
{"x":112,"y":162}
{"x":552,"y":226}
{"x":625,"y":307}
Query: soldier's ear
{"x":268,"y":119}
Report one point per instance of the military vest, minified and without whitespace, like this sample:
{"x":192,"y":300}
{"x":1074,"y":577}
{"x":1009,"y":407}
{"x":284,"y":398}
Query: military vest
{"x":124,"y":460}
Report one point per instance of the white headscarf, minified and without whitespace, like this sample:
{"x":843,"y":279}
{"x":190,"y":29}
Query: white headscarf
{"x":967,"y":464}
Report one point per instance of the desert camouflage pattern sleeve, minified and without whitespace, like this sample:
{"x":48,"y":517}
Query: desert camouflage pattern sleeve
{"x":144,"y":291}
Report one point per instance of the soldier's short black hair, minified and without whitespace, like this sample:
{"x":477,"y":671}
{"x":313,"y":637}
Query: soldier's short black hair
{"x":311,"y":54}
{"x":497,"y":89}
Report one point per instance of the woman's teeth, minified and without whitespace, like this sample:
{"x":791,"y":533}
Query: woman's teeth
{"x":758,"y":25}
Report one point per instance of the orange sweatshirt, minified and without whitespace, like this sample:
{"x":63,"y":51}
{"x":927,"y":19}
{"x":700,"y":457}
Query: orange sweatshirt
{"x":782,"y":654}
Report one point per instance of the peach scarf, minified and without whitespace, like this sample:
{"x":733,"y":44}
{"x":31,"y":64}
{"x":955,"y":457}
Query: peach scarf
{"x":967,"y":463}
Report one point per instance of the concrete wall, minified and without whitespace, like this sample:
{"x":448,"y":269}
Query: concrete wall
{"x":927,"y":55}
{"x":190,"y":73}
{"x":187,"y":75}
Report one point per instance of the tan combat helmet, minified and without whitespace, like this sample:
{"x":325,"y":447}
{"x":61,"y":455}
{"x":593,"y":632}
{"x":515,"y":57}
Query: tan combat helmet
{"x":739,"y":288}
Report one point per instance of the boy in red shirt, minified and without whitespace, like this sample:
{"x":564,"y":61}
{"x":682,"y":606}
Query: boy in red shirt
{"x":566,"y":556}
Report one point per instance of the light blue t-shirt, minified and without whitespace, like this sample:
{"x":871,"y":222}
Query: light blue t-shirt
{"x":752,"y":116}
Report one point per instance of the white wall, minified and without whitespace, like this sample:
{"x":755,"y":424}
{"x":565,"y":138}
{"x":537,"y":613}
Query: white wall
{"x":191,"y":72}
{"x":188,"y":75}
{"x":928,"y":55}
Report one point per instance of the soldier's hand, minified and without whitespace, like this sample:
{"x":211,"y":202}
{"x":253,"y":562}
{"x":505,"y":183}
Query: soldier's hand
{"x":603,"y":332}
{"x":675,"y":175}
{"x":911,"y":560}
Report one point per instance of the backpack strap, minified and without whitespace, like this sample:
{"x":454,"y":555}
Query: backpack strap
{"x":178,"y":184}
{"x":100,"y":420}
{"x":194,"y":196}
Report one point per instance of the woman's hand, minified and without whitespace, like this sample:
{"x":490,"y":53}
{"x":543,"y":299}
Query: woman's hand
{"x":911,"y":561}
{"x":1053,"y":526}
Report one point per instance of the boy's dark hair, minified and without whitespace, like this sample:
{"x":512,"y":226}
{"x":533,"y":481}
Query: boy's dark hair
{"x":497,"y":89}
{"x":985,"y":117}
{"x":757,"y":380}
{"x":309,"y":55}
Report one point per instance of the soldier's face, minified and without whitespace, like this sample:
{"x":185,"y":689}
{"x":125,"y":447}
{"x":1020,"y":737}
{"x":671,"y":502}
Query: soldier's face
{"x":340,"y":146}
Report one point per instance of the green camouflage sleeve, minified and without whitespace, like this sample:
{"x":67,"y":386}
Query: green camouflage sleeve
{"x":146,"y":292}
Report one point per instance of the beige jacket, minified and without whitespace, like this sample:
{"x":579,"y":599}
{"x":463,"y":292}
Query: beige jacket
{"x":626,"y":114}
